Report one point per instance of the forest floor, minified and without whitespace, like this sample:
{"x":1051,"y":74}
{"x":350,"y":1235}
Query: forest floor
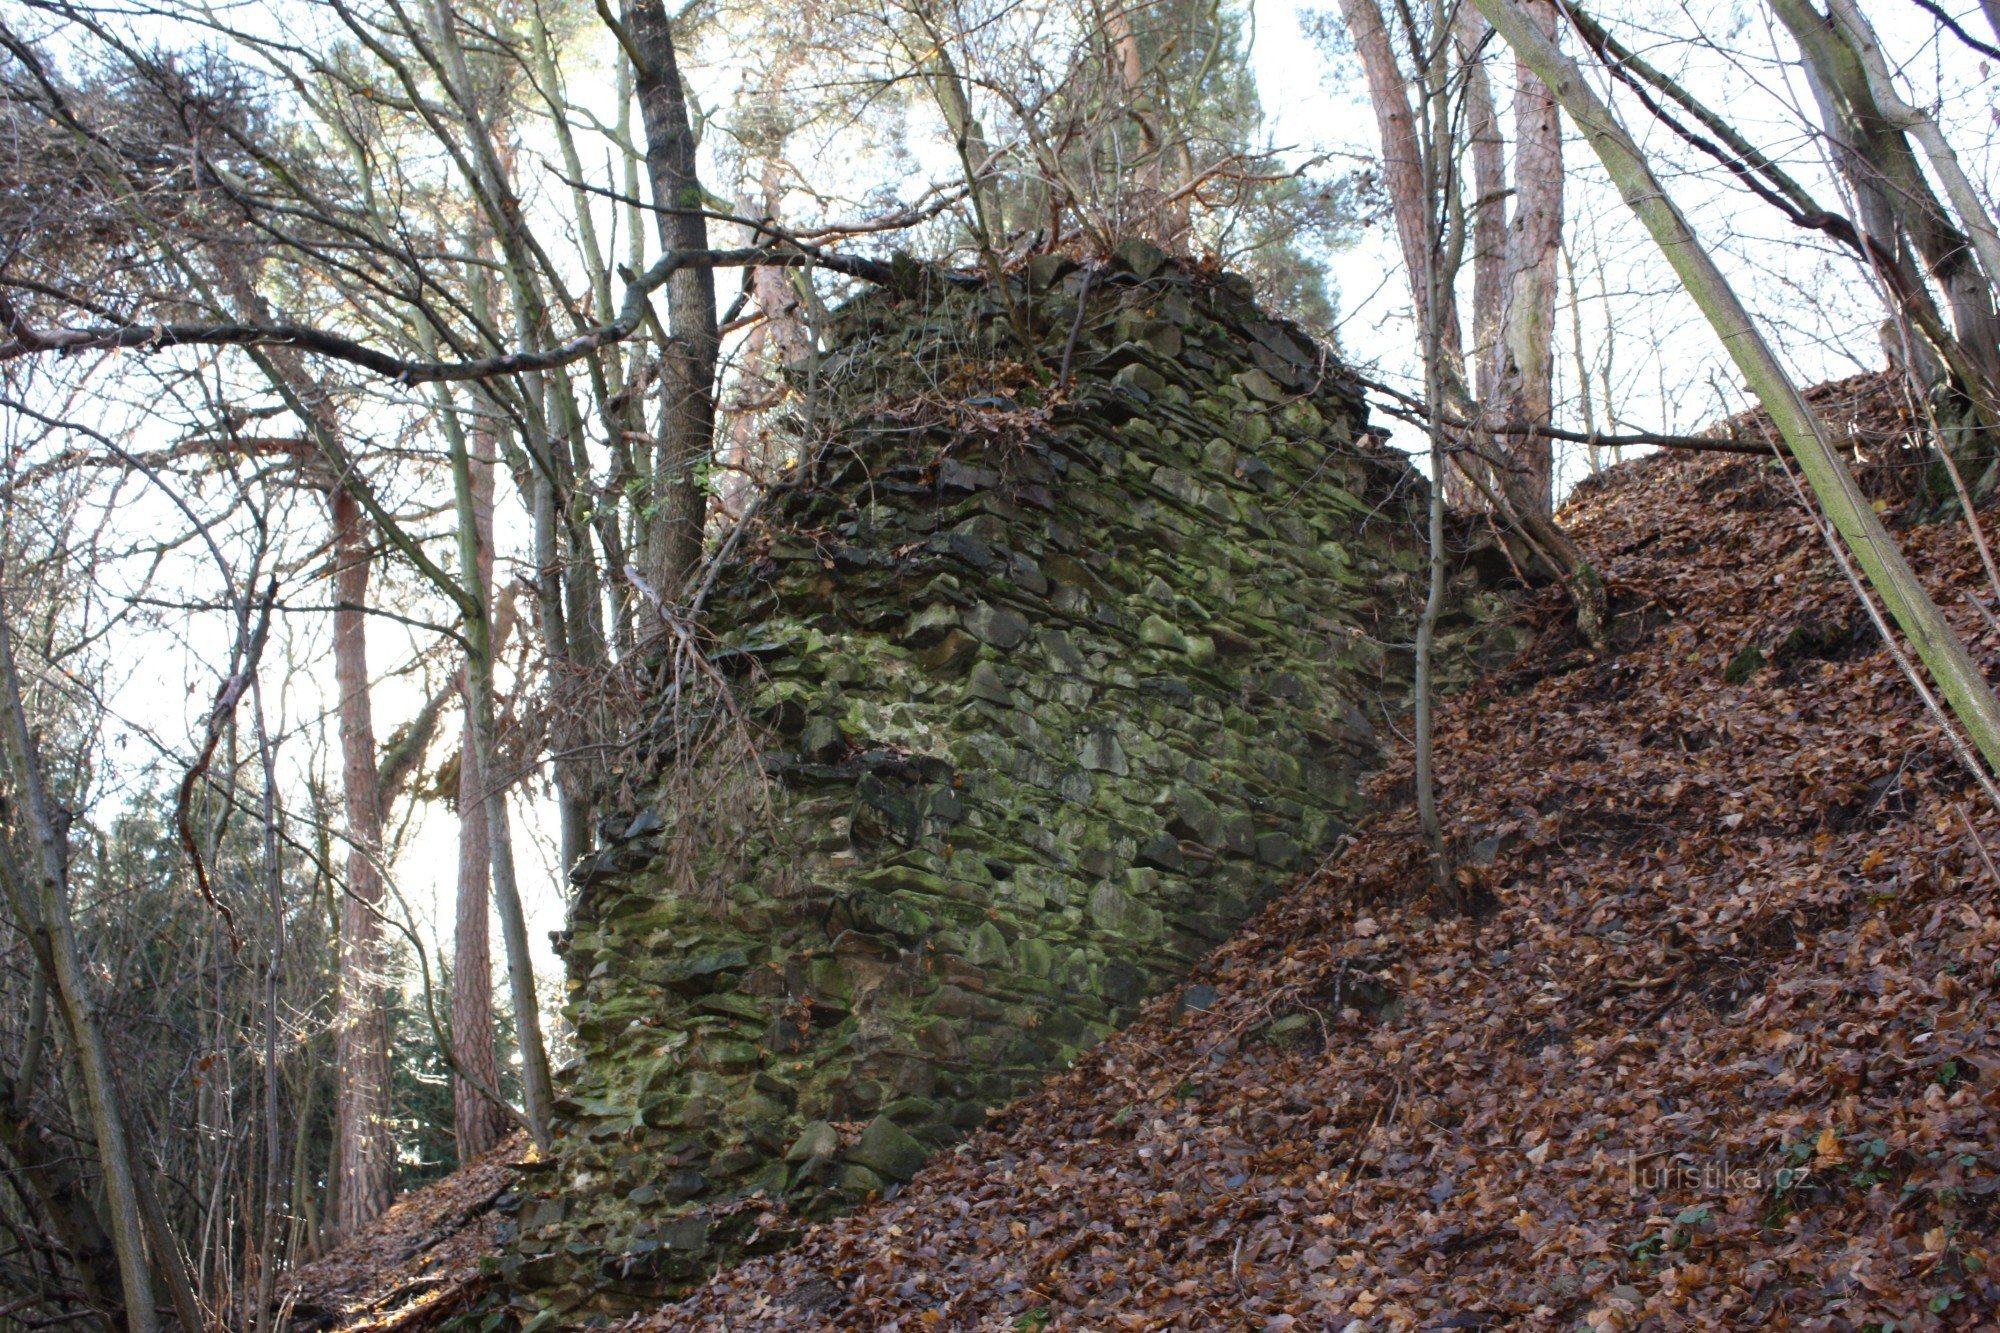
{"x":1716,"y":1050}
{"x":419,"y":1264}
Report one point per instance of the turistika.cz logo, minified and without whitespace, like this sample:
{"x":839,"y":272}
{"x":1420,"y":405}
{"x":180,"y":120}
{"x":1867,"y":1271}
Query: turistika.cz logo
{"x":1719,"y":1175}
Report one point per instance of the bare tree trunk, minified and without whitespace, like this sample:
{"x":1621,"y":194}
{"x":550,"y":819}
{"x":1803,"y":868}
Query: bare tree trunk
{"x":1166,"y":216}
{"x":1524,"y":510}
{"x":687,"y":424}
{"x":1439,"y":176}
{"x":968,"y":138}
{"x":1489,"y":232}
{"x":1942,"y":651}
{"x":268,"y":1242}
{"x":1522,"y":382}
{"x":1489,"y":200}
{"x":366,"y":1149}
{"x":1972,"y":212}
{"x":975,"y":160}
{"x":537,"y":1092}
{"x":476,"y":1122}
{"x":1583,"y":395}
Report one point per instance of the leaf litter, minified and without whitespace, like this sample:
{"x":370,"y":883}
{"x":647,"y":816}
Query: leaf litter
{"x":1717,"y":1052}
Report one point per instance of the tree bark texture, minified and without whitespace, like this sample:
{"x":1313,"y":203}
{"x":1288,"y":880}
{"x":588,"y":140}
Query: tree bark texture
{"x":366,"y":1148}
{"x":1524,"y":360}
{"x":687,"y":420}
{"x":477,"y":1124}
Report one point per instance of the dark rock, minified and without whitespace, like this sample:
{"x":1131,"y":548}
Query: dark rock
{"x":817,"y":1139}
{"x":1101,"y":752}
{"x":1139,"y":258}
{"x":887,"y":1149}
{"x":1000,"y":628}
{"x":682,"y":1183}
{"x":1162,"y":852}
{"x":1200,"y":999}
{"x":821,"y":741}
{"x":685,"y":1234}
{"x":1276,"y":849}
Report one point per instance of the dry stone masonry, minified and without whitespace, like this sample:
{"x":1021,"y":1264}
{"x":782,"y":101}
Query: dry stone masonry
{"x":1055,"y":684}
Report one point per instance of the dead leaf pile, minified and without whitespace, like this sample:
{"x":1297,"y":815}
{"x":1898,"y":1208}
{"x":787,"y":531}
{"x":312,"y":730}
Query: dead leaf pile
{"x":1718,"y":1053}
{"x":418,"y":1263}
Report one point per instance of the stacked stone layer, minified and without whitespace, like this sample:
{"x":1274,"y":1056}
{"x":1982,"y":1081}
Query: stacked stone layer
{"x":1055,"y":685}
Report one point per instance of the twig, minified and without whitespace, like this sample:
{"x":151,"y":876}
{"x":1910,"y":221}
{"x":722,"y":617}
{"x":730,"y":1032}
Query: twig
{"x":1978,"y":843}
{"x":1076,"y":327}
{"x":226,"y":698}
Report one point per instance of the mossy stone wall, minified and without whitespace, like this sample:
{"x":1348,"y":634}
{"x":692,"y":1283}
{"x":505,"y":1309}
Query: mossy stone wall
{"x":1056,"y":687}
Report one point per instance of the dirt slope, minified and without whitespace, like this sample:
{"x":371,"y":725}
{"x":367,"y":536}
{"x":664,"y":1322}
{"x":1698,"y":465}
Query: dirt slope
{"x":1719,"y":1055}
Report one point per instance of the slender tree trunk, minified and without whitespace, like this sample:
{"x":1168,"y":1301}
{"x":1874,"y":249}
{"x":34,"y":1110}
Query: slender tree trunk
{"x":1489,"y":199}
{"x":537,"y":1093}
{"x":1523,"y":375}
{"x":1972,"y":213}
{"x":1440,"y":182}
{"x":968,"y":136}
{"x":476,"y":1122}
{"x":367,"y":1150}
{"x":1489,"y":232}
{"x":1583,"y":395}
{"x":364,"y":1148}
{"x":687,"y":425}
{"x":1957,"y":675}
{"x":269,"y":1243}
{"x":1522,"y":509}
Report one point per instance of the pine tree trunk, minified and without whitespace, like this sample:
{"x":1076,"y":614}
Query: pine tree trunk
{"x":1402,"y":171}
{"x":476,"y":1123}
{"x":366,"y":1149}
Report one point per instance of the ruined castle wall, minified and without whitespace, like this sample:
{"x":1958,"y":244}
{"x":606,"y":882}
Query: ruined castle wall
{"x":1053,"y":688}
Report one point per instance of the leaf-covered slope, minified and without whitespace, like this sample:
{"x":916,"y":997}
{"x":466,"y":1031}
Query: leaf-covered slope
{"x":1721,"y":1055}
{"x":418,"y":1264}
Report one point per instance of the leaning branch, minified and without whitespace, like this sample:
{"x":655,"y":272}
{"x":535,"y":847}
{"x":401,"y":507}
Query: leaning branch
{"x":1959,"y":678}
{"x":334,"y":346}
{"x":1408,"y":407}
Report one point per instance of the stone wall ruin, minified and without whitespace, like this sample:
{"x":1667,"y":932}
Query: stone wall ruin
{"x":1054,"y":687}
